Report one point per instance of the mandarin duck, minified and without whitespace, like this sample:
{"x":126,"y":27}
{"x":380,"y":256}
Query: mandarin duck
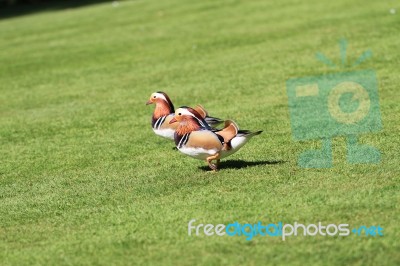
{"x":164,"y":112}
{"x":195,"y":138}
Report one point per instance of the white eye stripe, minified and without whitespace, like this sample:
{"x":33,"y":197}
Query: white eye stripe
{"x":181,"y":111}
{"x":161,"y":96}
{"x":184,"y":112}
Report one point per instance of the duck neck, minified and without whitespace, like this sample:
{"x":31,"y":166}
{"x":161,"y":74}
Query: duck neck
{"x":187,"y":127}
{"x":162,"y":109}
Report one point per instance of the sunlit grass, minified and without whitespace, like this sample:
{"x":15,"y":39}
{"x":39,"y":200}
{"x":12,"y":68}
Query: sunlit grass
{"x":83,"y":179}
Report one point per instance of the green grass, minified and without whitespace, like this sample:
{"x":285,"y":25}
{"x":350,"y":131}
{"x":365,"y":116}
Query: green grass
{"x":83,"y":179}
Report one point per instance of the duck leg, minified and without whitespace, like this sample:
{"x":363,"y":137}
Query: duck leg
{"x":210,"y":159}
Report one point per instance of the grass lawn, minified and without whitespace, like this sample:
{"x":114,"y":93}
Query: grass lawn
{"x":83,"y":179}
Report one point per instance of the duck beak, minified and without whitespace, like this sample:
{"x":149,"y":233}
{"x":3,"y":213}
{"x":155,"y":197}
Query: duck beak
{"x":173,"y":120}
{"x":149,"y":102}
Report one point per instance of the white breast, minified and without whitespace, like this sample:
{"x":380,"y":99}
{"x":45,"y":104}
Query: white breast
{"x":198,"y":153}
{"x":165,"y":133}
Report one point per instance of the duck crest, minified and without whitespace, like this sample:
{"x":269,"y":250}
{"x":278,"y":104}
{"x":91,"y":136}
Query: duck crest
{"x":197,"y":119}
{"x":163,"y":106}
{"x":169,"y":102}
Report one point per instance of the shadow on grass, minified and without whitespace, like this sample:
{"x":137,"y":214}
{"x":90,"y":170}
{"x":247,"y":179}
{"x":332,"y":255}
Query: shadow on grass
{"x":33,"y":6}
{"x":239,"y":164}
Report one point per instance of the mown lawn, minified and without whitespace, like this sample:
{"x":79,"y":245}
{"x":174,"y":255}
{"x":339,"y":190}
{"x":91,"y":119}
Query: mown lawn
{"x":83,"y":179}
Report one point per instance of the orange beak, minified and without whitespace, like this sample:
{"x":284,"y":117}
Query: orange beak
{"x":149,"y":102}
{"x":173,"y":120}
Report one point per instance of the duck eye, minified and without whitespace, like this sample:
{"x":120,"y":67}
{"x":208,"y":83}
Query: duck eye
{"x":179,"y":114}
{"x":154,"y":96}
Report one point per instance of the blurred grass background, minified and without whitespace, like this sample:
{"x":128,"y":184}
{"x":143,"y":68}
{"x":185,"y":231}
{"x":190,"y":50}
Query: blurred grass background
{"x":83,"y":179}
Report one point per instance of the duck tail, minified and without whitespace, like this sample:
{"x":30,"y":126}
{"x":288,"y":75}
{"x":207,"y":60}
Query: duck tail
{"x":248,"y":133}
